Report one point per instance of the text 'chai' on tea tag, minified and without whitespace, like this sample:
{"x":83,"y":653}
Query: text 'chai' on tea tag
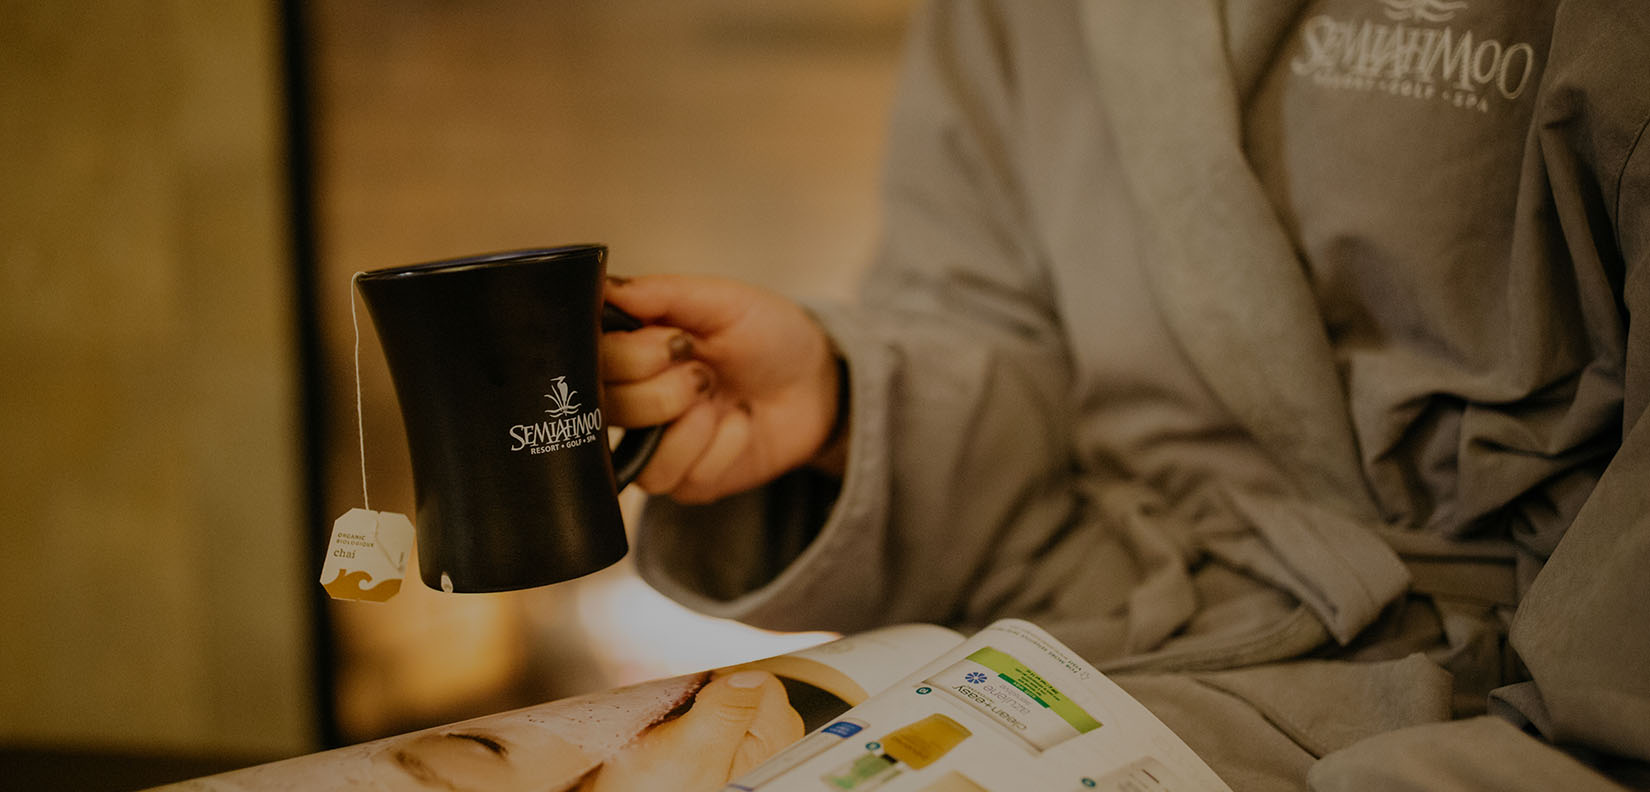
{"x":367,"y":557}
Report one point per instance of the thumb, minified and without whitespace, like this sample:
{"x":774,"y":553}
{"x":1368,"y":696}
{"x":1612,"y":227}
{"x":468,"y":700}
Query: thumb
{"x":721,"y":714}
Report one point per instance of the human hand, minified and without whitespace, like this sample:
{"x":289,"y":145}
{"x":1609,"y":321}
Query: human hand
{"x":735,"y":723}
{"x":746,"y":379}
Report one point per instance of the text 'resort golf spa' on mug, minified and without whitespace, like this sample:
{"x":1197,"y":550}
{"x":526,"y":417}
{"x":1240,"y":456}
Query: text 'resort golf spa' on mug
{"x":494,"y":361}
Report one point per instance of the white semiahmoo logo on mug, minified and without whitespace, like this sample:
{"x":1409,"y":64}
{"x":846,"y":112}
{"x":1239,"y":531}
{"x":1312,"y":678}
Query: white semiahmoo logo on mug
{"x":567,"y":428}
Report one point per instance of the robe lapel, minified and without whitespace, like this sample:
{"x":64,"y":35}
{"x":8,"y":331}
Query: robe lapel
{"x":1225,"y":274}
{"x":1234,"y":293}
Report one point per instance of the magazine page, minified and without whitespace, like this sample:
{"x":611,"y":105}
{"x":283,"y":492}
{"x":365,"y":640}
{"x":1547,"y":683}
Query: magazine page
{"x":856,"y":667}
{"x":1008,"y":709}
{"x":692,"y":731}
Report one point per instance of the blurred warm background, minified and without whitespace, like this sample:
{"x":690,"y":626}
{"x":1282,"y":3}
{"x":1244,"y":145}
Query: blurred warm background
{"x":190,"y":185}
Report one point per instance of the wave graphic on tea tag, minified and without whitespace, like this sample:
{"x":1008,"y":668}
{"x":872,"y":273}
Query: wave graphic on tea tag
{"x":351,"y":585}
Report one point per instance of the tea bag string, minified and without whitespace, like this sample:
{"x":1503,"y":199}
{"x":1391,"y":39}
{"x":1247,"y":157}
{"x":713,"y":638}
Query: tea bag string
{"x":360,"y":421}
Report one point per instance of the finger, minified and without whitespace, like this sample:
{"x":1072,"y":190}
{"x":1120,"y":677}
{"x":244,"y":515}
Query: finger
{"x":658,"y":400}
{"x":682,"y":444}
{"x":721,"y":714}
{"x":698,"y":304}
{"x":776,"y":725}
{"x":639,"y":354}
{"x":733,"y":434}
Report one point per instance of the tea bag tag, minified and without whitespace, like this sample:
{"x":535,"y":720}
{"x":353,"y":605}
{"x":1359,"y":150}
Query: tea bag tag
{"x":367,"y":557}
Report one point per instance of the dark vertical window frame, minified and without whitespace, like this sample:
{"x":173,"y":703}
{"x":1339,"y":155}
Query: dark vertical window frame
{"x":297,"y":66}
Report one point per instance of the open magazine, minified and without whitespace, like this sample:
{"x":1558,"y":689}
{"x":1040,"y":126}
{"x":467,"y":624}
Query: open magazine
{"x":910,"y":707}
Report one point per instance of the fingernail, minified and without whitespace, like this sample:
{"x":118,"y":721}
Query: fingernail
{"x":747,"y":679}
{"x":703,"y":382}
{"x":617,"y":280}
{"x":681,"y":347}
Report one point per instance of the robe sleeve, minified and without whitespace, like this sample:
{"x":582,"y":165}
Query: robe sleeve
{"x":959,"y":443}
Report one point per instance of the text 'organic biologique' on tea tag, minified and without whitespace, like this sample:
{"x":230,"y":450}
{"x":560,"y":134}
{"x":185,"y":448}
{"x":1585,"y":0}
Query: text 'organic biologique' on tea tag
{"x":367,"y":557}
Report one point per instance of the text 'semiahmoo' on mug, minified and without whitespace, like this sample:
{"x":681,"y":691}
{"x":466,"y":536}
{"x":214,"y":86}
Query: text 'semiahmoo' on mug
{"x":494,"y":360}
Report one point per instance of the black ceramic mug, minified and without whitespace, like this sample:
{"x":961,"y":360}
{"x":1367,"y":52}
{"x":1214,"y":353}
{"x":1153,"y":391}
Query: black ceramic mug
{"x":494,"y":360}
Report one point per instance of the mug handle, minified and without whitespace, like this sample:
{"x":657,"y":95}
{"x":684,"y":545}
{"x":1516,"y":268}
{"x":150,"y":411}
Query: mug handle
{"x":636,"y":447}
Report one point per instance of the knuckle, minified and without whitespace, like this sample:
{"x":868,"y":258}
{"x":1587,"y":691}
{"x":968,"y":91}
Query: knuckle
{"x":734,"y":713}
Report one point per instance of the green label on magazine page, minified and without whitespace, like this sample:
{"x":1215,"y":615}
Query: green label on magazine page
{"x":994,"y":683}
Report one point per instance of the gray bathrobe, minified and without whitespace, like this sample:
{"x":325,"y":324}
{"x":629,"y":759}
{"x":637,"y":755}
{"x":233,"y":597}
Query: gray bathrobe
{"x":1277,"y":356}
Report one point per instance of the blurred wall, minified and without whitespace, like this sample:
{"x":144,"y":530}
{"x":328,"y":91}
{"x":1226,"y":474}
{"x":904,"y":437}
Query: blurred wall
{"x":152,"y":578}
{"x":729,"y":137}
